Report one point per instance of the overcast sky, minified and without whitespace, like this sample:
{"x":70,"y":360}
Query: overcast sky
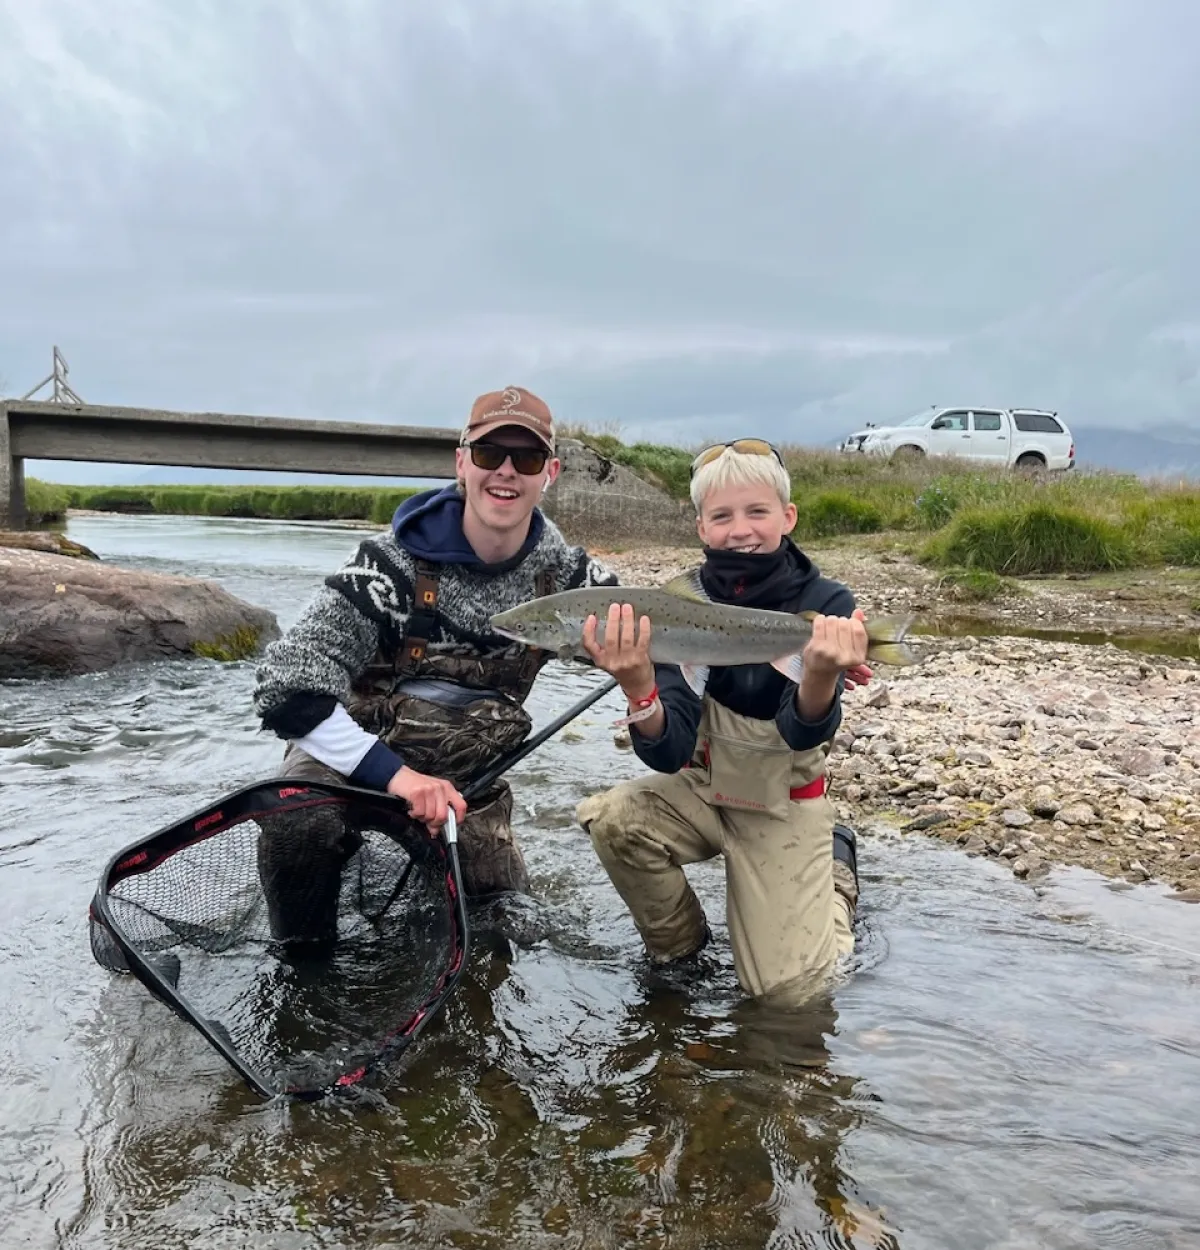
{"x":679,"y":218}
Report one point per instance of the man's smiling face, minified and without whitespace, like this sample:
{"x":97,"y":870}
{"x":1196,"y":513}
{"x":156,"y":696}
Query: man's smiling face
{"x":502,"y":498}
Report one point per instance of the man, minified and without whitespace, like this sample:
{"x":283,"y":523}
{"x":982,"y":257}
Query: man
{"x":392,"y":679}
{"x":741,"y":764}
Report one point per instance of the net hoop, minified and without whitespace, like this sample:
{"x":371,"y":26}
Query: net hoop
{"x":276,"y":796}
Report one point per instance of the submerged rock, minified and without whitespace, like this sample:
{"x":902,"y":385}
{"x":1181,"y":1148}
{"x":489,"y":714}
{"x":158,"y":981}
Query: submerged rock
{"x":61,"y":615}
{"x":51,"y":541}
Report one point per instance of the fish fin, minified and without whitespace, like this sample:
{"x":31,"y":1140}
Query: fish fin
{"x":566,"y":652}
{"x":885,"y":636}
{"x":696,"y":676}
{"x":688,"y":586}
{"x":791,"y":666}
{"x":898,"y":653}
{"x":808,"y":615}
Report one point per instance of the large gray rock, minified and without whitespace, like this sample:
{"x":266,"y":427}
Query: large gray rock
{"x":604,"y":505}
{"x":61,"y":615}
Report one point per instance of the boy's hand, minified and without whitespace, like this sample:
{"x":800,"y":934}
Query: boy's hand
{"x":837,"y":646}
{"x":626,"y":650}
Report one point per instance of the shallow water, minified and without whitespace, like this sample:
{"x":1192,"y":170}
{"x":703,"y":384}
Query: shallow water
{"x":1182,"y":644}
{"x":1002,"y":1067}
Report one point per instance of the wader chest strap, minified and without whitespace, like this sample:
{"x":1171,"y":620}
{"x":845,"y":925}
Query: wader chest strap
{"x":424,"y":613}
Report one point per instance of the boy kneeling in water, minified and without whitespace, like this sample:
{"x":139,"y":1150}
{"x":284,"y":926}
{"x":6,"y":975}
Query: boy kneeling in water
{"x":744,"y":761}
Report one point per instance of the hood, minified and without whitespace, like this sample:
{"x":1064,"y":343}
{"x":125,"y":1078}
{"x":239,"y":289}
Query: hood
{"x":429,"y":527}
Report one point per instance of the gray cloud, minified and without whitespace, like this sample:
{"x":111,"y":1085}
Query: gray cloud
{"x":676,"y":217}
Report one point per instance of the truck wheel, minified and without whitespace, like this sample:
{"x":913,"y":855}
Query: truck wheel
{"x":907,"y":454}
{"x":1030,"y":463}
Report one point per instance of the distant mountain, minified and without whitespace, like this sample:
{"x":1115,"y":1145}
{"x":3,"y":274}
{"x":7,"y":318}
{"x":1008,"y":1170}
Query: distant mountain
{"x":1173,"y":452}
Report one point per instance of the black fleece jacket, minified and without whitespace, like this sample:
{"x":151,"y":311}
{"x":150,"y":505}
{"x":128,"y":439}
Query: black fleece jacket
{"x":754,"y":690}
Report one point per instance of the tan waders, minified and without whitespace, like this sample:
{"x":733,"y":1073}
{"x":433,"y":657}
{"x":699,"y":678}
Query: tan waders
{"x":749,"y":797}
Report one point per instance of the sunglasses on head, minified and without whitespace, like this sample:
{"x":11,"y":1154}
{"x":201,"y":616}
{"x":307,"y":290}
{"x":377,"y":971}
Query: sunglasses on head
{"x":747,"y":446}
{"x":527,"y":461}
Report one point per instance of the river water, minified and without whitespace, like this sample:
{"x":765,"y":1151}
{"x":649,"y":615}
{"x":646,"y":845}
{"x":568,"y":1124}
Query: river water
{"x":1002,"y":1066}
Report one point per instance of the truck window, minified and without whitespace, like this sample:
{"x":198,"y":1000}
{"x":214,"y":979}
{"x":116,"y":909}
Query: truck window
{"x":1036,"y":423}
{"x":951,"y":421}
{"x":987,"y":421}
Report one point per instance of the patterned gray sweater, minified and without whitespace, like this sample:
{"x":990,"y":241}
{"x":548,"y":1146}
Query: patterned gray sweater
{"x":305,"y":677}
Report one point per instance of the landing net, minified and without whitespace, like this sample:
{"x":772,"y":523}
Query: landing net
{"x":199,"y":911}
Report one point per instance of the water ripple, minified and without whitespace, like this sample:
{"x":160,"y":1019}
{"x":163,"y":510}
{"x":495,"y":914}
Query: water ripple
{"x":998,"y":1067}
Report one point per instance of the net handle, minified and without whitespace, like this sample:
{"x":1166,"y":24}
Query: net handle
{"x":502,"y":765}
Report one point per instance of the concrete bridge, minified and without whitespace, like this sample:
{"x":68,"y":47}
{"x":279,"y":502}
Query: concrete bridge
{"x":593,"y":500}
{"x":36,"y":430}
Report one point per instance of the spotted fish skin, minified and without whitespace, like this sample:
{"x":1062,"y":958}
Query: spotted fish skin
{"x":687,"y":628}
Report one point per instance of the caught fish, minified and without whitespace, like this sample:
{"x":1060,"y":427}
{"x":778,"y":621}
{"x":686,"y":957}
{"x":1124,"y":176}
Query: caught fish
{"x":688,"y":629}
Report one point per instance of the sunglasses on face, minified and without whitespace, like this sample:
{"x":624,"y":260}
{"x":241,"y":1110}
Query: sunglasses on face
{"x":527,"y":461}
{"x":747,"y":446}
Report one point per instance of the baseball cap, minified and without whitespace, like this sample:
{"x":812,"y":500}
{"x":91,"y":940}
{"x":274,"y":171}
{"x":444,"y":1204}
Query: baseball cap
{"x":512,"y":406}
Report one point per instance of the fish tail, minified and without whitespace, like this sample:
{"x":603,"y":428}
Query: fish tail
{"x":885,"y":636}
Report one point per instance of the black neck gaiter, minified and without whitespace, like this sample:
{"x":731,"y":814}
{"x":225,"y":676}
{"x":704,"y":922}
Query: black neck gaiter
{"x":749,"y":579}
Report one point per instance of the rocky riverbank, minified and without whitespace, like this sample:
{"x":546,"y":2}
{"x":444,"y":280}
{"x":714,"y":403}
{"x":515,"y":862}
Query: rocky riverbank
{"x":1030,"y":751}
{"x":1033,"y":752}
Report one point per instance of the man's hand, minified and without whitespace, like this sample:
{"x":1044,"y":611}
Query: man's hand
{"x":626,"y":650}
{"x":427,"y":797}
{"x":858,"y":676}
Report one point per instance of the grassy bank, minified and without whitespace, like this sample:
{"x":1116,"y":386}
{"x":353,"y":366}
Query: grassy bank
{"x":956,"y":515}
{"x":285,"y":503}
{"x":45,"y":502}
{"x":951,"y":515}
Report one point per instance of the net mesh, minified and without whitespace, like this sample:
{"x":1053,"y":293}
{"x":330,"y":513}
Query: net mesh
{"x":311,"y":930}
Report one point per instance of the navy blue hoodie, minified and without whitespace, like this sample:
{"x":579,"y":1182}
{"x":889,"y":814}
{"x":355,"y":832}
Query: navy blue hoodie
{"x":429,"y":526}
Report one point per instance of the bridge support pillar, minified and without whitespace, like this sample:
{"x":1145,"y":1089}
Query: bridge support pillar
{"x":12,"y":481}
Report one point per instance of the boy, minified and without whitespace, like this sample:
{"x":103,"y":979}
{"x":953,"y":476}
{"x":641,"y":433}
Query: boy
{"x":392,"y":678}
{"x":742,"y":766}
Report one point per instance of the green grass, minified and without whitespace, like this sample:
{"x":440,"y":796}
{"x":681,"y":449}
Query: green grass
{"x":830,"y":512}
{"x":1036,"y":538}
{"x":974,"y":585}
{"x":45,"y":502}
{"x":289,"y":503}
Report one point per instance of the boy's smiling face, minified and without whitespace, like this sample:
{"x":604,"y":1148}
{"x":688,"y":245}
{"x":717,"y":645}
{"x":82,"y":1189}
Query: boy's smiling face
{"x":746,"y":518}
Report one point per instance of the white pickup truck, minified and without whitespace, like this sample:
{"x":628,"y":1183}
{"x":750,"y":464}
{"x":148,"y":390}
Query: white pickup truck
{"x":1029,"y":439}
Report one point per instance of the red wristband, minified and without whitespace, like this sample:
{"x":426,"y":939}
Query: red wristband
{"x":648,"y":701}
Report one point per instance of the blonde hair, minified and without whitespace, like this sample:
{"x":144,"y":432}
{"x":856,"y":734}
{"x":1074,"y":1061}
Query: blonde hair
{"x":739,"y":468}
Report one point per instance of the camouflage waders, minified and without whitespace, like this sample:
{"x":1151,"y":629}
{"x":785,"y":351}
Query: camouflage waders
{"x":450,"y":716}
{"x":748,"y":797}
